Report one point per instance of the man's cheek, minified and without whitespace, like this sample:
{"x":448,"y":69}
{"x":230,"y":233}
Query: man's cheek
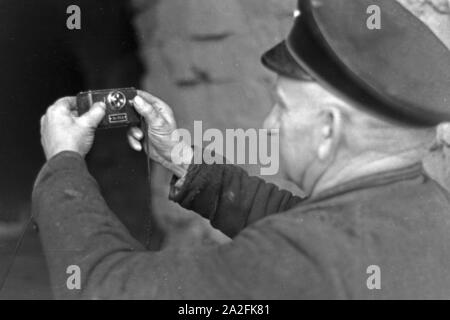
{"x":283,"y":168}
{"x":284,"y":158}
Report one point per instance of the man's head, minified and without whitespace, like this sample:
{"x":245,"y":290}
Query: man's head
{"x":354,"y":99}
{"x":323,"y":137}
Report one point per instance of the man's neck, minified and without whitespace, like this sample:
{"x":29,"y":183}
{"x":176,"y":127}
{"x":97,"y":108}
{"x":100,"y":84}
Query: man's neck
{"x":361,"y":166}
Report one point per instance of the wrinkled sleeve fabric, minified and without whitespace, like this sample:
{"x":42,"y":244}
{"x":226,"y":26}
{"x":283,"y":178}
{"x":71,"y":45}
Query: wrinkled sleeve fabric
{"x":78,"y":229}
{"x":228,"y":197}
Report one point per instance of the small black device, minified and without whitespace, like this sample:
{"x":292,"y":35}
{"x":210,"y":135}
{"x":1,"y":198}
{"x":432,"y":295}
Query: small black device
{"x":119,"y":108}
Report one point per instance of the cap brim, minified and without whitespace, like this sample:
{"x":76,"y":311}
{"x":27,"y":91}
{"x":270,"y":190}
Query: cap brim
{"x":279,"y":60}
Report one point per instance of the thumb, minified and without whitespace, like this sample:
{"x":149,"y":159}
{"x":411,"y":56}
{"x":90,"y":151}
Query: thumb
{"x":144,"y":108}
{"x":94,"y":116}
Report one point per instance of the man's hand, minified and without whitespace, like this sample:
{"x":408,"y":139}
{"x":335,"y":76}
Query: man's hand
{"x":63,"y":130}
{"x":162,"y":143}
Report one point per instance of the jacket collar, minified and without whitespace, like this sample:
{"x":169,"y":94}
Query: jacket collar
{"x":370,"y":181}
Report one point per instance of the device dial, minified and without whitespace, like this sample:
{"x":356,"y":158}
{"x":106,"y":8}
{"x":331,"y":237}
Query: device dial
{"x":117,"y":100}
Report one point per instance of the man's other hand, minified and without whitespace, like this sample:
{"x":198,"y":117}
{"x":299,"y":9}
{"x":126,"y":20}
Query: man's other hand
{"x":63,"y":130}
{"x":161,"y":137}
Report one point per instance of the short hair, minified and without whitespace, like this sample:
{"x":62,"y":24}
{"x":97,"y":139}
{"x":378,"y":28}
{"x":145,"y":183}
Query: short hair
{"x":367,"y":131}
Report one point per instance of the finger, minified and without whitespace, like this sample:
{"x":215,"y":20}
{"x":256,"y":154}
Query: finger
{"x":42,"y":123}
{"x":69,"y":100}
{"x":66,"y":104}
{"x":94,"y":116}
{"x":134,"y":144}
{"x":145,"y":109}
{"x":136,"y":133}
{"x":160,"y":106}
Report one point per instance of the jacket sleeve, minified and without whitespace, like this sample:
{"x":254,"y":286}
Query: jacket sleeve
{"x":229,"y":197}
{"x":84,"y":241}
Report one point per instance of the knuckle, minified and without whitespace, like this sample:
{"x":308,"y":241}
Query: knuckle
{"x":63,"y":103}
{"x":54,"y":108}
{"x":60,"y":102}
{"x":50,"y":109}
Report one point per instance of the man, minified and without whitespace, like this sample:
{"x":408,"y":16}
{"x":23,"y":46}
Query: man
{"x":356,"y":110}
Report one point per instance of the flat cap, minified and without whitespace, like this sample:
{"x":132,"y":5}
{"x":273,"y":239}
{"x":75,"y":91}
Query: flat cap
{"x":393,"y":66}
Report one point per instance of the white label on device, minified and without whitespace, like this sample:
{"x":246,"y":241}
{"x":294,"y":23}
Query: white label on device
{"x":118,"y":118}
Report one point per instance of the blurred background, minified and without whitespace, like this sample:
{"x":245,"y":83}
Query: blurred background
{"x":200,"y":56}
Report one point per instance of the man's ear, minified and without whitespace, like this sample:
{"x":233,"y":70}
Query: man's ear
{"x":331,"y":128}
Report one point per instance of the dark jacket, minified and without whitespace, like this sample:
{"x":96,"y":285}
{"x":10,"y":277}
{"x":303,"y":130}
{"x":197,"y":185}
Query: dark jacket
{"x":282,"y":247}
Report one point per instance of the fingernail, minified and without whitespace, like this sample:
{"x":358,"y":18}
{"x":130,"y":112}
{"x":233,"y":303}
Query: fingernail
{"x":139,"y":101}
